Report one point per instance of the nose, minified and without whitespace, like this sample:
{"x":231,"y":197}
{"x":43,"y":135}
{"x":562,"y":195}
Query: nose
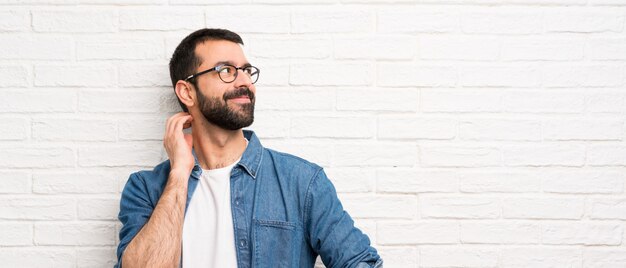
{"x":242,"y":79}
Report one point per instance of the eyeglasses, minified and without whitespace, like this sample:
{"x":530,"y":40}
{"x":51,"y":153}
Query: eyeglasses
{"x":228,"y":73}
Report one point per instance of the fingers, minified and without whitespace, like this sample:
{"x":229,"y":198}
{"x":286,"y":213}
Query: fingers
{"x":176,"y":123}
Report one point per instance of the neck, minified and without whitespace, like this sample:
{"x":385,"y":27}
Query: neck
{"x":216,"y":147}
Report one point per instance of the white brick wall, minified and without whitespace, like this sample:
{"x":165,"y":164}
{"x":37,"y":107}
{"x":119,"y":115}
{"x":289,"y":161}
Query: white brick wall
{"x":458,"y":133}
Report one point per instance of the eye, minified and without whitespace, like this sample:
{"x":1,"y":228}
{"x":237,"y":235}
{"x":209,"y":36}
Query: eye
{"x":228,"y":70}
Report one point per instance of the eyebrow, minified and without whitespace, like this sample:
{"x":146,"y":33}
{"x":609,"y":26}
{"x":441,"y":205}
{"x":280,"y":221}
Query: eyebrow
{"x":232,"y":63}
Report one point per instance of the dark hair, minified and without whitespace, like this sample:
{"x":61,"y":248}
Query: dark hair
{"x":184,"y":60}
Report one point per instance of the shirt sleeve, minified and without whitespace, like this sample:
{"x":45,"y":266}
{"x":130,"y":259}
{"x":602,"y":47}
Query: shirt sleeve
{"x":135,"y":210}
{"x":331,"y":231}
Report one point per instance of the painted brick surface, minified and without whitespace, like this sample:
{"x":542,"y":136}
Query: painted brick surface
{"x":458,"y":133}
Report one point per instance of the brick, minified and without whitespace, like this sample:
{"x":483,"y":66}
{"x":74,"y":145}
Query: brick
{"x":138,"y":154}
{"x":332,"y":127}
{"x":111,"y":101}
{"x":142,"y":128}
{"x":24,"y":2}
{"x":379,"y":99}
{"x":606,"y":155}
{"x":37,"y":100}
{"x":459,"y":156}
{"x":540,"y":257}
{"x":253,"y":19}
{"x":161,"y":19}
{"x":502,"y":21}
{"x":124,"y":49}
{"x":298,"y":47}
{"x":532,"y":101}
{"x":500,"y":129}
{"x":553,"y":49}
{"x":15,"y":182}
{"x":416,"y":128}
{"x":570,"y":75}
{"x":271,"y":125}
{"x":74,"y":234}
{"x":319,"y":153}
{"x":96,"y":257}
{"x":543,"y":208}
{"x":492,"y":232}
{"x":37,"y":157}
{"x":142,"y":75}
{"x":38,"y":257}
{"x":352,"y":180}
{"x":544,"y":155}
{"x":295,"y":99}
{"x":75,"y":182}
{"x":608,"y":208}
{"x":499,"y":182}
{"x":273,"y":74}
{"x":80,"y":75}
{"x":75,"y":21}
{"x":607,"y":49}
{"x":375,"y":154}
{"x":318,"y":21}
{"x":459,"y":207}
{"x":583,"y":20}
{"x":37,"y":208}
{"x":14,"y":128}
{"x":606,"y":102}
{"x":380,"y":206}
{"x":499,"y":76}
{"x":415,"y":181}
{"x":583,"y":129}
{"x":123,"y":2}
{"x":603,"y":257}
{"x":506,"y":2}
{"x":98,"y":209}
{"x":337,"y":74}
{"x":14,"y":20}
{"x":16,"y":234}
{"x":14,"y":75}
{"x":74,"y":129}
{"x":607,"y":2}
{"x":36,"y":47}
{"x":411,"y":20}
{"x":458,"y":47}
{"x":399,"y":256}
{"x":389,"y":47}
{"x":458,"y":256}
{"x":411,"y":75}
{"x":421,"y":232}
{"x":582,"y":234}
{"x":461,"y":100}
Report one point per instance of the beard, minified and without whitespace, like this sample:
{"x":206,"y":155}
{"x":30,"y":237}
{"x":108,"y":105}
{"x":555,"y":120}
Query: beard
{"x":217,"y":111}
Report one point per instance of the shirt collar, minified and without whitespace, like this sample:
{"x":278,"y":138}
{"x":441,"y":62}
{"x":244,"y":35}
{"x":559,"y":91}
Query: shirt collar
{"x":250,"y":160}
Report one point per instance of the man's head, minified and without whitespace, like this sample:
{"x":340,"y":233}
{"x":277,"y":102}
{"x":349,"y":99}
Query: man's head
{"x":224,"y":95}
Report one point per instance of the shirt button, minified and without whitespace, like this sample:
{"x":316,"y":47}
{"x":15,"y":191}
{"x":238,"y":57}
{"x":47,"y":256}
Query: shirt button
{"x":237,"y":202}
{"x":242,"y":243}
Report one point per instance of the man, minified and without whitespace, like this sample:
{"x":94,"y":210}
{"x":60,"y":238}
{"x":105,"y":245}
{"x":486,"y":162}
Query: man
{"x":222,"y":200}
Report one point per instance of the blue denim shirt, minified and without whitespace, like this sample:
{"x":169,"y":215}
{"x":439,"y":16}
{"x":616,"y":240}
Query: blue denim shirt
{"x":285,"y":212}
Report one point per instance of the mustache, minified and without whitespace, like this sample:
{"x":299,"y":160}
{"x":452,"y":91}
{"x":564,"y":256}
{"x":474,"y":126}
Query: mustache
{"x":239,"y":92}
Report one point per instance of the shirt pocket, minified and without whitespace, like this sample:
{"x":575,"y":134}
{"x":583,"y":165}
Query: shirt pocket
{"x":276,"y":244}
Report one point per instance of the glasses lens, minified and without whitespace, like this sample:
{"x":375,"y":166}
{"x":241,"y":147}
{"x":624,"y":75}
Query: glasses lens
{"x":252,"y":72}
{"x":227,"y":73}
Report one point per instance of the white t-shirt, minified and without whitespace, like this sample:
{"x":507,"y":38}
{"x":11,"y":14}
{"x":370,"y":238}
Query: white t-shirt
{"x":208,"y":234}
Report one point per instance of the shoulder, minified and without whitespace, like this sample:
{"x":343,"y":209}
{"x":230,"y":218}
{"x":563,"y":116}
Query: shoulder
{"x":292,"y":162}
{"x":151,"y":178}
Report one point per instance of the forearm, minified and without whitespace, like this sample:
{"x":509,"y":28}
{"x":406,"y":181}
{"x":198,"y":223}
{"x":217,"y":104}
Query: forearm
{"x":158,"y":244}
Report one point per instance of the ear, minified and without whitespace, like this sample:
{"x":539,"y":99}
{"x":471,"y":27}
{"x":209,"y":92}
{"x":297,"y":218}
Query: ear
{"x":184,"y":91}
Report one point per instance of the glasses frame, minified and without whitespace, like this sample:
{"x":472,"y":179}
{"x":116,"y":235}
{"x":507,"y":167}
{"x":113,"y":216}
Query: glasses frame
{"x":219,"y":67}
